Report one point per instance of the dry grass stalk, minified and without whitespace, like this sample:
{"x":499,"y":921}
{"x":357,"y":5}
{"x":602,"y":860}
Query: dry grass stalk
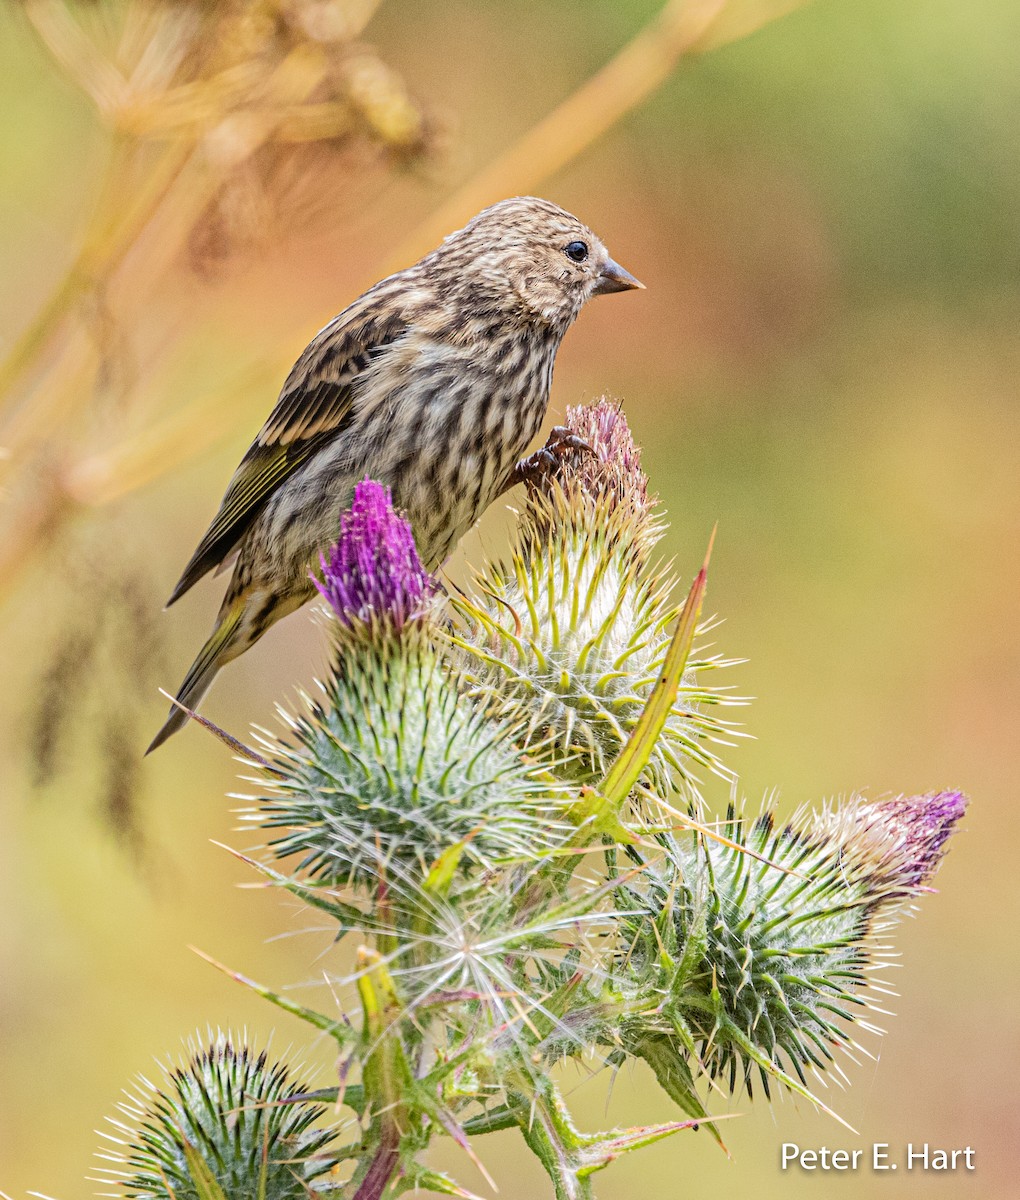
{"x":192,"y":81}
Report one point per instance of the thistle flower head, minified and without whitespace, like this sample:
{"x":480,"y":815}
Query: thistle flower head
{"x":609,"y":471}
{"x":764,"y":952}
{"x":393,"y":769}
{"x":774,"y":954}
{"x":373,"y":573}
{"x":900,"y":840}
{"x":227,"y":1115}
{"x":572,"y":629}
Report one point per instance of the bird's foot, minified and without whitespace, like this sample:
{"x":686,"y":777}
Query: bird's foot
{"x":547,"y":463}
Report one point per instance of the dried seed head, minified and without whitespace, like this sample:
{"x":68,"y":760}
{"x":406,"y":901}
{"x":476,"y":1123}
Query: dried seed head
{"x":285,"y":106}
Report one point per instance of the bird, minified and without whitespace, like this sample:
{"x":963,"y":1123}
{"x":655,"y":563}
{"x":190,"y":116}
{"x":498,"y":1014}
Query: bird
{"x":433,"y":382}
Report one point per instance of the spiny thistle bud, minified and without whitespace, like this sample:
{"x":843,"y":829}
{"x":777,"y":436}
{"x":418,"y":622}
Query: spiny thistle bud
{"x":571,"y":631}
{"x":373,"y":572}
{"x":391,"y":768}
{"x":762,"y":952}
{"x":225,"y":1119}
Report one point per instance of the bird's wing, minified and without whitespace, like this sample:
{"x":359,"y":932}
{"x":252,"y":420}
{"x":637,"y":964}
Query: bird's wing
{"x":314,"y":407}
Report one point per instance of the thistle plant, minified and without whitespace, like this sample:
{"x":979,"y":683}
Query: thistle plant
{"x":229,"y":129}
{"x":495,"y":799}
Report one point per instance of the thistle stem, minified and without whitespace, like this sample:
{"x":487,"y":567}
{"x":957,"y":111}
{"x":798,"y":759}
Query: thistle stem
{"x":383,"y":1165}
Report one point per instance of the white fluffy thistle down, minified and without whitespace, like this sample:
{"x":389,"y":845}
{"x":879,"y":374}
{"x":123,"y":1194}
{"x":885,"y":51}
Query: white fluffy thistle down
{"x":570,"y":630}
{"x":459,"y":803}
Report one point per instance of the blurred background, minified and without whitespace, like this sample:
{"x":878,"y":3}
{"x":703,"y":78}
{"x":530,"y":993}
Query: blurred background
{"x":824,"y":210}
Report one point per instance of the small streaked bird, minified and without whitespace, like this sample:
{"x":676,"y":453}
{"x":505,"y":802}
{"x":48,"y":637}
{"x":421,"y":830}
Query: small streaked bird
{"x":433,"y":382}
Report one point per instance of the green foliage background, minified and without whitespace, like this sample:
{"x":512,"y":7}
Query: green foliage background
{"x":825,"y":361}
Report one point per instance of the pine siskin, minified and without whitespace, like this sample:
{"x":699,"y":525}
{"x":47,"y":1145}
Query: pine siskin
{"x":433,"y":382}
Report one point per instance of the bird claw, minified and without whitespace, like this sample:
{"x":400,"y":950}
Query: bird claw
{"x":547,"y":462}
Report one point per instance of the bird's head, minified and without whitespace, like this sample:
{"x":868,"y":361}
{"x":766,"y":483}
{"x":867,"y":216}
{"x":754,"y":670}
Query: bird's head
{"x":534,"y":255}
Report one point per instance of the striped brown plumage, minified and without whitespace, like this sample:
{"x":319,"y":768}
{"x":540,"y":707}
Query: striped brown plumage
{"x":433,"y":382}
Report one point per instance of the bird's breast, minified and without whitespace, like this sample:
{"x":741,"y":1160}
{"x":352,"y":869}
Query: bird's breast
{"x":441,"y":424}
{"x":466,"y":429}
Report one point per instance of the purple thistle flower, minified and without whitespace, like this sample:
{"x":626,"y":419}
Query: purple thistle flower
{"x":921,"y":826}
{"x":901,"y":840}
{"x":373,"y":571}
{"x":614,"y":465}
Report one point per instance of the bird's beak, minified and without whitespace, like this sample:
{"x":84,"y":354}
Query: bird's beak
{"x":615,"y":279}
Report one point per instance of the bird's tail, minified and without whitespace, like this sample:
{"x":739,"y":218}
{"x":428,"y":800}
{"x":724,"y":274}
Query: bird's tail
{"x":219,"y":649}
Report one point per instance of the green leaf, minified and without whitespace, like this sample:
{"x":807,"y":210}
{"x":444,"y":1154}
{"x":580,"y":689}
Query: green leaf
{"x":421,"y":1178}
{"x":603,"y":1148}
{"x":634,"y":757}
{"x":340,"y":1031}
{"x":201,"y":1174}
{"x":570,"y":1157}
{"x":352,"y":1095}
{"x":673,"y":1075}
{"x":503,"y":1117}
{"x":352,"y":919}
{"x":442,"y":871}
{"x":597,"y":815}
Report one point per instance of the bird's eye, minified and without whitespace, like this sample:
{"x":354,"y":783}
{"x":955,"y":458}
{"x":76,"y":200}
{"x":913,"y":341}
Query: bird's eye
{"x":576,"y":252}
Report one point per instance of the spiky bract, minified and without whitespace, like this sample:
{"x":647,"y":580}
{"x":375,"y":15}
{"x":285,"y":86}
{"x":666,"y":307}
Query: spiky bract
{"x":227,"y":1114}
{"x":391,"y":769}
{"x":771,"y":954}
{"x":571,"y":630}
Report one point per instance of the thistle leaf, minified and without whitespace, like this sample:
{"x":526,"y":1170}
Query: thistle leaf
{"x":421,"y":1178}
{"x":443,"y":870}
{"x":603,"y":1148}
{"x":340,"y":1031}
{"x":206,"y":1187}
{"x":634,"y":757}
{"x":673,"y":1075}
{"x":349,"y":917}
